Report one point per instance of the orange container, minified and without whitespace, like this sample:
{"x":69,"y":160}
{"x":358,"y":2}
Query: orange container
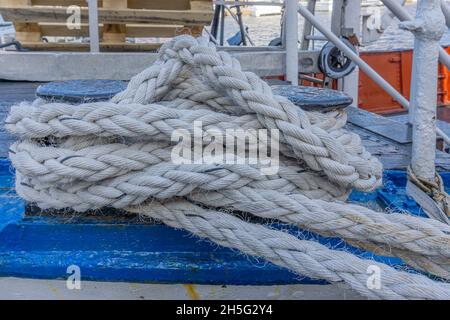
{"x":395,"y":67}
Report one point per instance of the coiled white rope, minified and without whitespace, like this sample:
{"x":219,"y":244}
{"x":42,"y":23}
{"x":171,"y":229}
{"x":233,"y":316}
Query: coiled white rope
{"x":117,"y":154}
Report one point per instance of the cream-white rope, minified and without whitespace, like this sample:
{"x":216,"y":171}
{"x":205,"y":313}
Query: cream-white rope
{"x":117,"y":154}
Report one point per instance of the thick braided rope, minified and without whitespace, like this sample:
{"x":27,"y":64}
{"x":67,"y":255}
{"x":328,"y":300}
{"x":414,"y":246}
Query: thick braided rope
{"x":255,"y":96}
{"x":281,"y":196}
{"x":84,"y":171}
{"x":156,"y":129}
{"x":304,"y":257}
{"x":286,"y":197}
{"x":319,"y":149}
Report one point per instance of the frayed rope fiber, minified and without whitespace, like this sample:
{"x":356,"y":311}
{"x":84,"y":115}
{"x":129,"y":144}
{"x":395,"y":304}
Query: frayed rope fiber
{"x":118,"y":154}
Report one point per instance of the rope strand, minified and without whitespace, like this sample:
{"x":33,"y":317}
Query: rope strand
{"x":118,"y":154}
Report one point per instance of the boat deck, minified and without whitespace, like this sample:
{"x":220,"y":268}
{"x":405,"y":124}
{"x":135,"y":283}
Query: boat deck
{"x":111,"y":247}
{"x":388,"y":139}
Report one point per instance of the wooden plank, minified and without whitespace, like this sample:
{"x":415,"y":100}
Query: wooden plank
{"x":76,"y":46}
{"x":63,"y":3}
{"x":132,"y":30}
{"x":114,"y":32}
{"x":132,"y":4}
{"x":24,"y":31}
{"x":159,"y":4}
{"x":11,"y":3}
{"x":125,"y":250}
{"x":195,"y":31}
{"x":165,"y":4}
{"x":399,"y":132}
{"x":146,"y":30}
{"x":200,"y":5}
{"x":60,"y":30}
{"x":14,"y":92}
{"x":120,"y":16}
{"x":394,"y":155}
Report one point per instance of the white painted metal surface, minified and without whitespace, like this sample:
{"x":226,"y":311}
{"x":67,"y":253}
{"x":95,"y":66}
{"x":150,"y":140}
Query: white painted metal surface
{"x":58,"y":66}
{"x":93,"y":26}
{"x":428,"y":28}
{"x":307,"y":26}
{"x":352,"y":20}
{"x":291,"y":41}
{"x":337,"y":17}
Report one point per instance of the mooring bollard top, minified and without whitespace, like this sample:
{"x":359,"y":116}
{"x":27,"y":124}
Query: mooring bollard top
{"x":80,"y":91}
{"x":313,"y":98}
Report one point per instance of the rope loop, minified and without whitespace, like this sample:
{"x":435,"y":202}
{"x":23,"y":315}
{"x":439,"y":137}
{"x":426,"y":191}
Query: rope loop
{"x":119,"y":153}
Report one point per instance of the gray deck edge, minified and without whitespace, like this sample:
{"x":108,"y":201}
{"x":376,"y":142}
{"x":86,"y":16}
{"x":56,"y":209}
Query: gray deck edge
{"x":58,"y":66}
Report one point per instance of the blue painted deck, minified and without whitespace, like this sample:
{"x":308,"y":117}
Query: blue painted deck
{"x":125,"y":249}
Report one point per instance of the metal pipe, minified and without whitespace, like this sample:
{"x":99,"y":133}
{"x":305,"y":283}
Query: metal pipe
{"x":215,"y":21}
{"x":291,"y":28}
{"x":397,"y":9}
{"x":241,"y":24}
{"x":211,"y":37}
{"x":237,"y":21}
{"x":352,"y":21}
{"x":337,"y":17}
{"x":316,"y":38}
{"x":311,"y":79}
{"x":446,"y":12}
{"x":361,"y":63}
{"x":307,"y":27}
{"x":428,"y":28}
{"x":403,"y":15}
{"x":232,"y":15}
{"x":222,"y":24}
{"x":93,"y":26}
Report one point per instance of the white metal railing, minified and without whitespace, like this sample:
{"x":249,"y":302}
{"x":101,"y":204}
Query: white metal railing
{"x":428,"y":29}
{"x":93,"y":26}
{"x":291,"y":40}
{"x":370,"y":72}
{"x":249,"y":3}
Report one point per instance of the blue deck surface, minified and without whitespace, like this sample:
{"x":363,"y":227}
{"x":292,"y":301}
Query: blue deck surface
{"x":125,"y":249}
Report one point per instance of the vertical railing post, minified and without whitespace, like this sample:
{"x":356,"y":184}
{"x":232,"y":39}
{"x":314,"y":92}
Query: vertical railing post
{"x":352,"y":21}
{"x":291,"y":40}
{"x":307,"y":26}
{"x":346,"y":21}
{"x":428,"y":28}
{"x":446,"y":11}
{"x":93,"y":26}
{"x":337,"y":17}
